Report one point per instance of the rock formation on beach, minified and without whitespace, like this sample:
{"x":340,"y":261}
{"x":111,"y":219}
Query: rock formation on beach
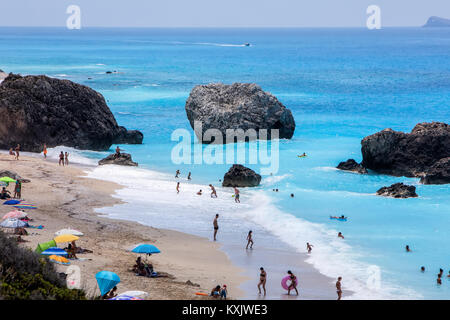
{"x":240,"y":176}
{"x":124,"y":159}
{"x":352,"y":165}
{"x":437,"y":22}
{"x":409,"y":154}
{"x":398,"y":190}
{"x":38,"y":109}
{"x":238,"y":106}
{"x":12,"y":175}
{"x":438,"y":173}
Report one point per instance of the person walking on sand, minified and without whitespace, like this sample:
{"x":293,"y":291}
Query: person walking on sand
{"x":17,"y":149}
{"x":61,"y":158}
{"x":236,"y":195}
{"x":262,"y":280}
{"x":189,"y":176}
{"x":45,"y":151}
{"x":293,"y":284}
{"x":66,"y":158}
{"x":178,"y":187}
{"x":339,"y":288}
{"x":216,"y":226}
{"x":249,"y":240}
{"x":213,"y":191}
{"x":177,"y":173}
{"x":309,"y":247}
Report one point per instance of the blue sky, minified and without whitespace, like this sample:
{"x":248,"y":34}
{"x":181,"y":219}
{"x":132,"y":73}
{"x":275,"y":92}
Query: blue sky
{"x":220,"y":13}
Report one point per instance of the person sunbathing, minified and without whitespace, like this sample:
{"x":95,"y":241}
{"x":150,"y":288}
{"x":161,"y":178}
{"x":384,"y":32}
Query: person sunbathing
{"x":20,"y":231}
{"x":71,"y":251}
{"x":5,"y":194}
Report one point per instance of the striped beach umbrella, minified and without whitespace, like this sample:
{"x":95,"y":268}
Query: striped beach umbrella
{"x":54,"y":251}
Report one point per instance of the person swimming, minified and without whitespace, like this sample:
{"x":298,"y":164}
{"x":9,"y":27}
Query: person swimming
{"x":189,"y":176}
{"x":407,"y":248}
{"x":340,"y":235}
{"x":422,"y":269}
{"x":292,"y":195}
{"x":199,"y":193}
{"x":177,"y":173}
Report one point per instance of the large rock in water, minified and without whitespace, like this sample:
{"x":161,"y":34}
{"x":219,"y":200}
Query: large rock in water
{"x":398,"y":190}
{"x":37,"y":109}
{"x":438,"y":173}
{"x":437,"y":22}
{"x":240,"y":176}
{"x":352,"y":165}
{"x":238,"y":106}
{"x":407,"y":154}
{"x":124,"y":159}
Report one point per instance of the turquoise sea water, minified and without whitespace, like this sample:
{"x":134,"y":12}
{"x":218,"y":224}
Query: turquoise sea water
{"x":341,"y":85}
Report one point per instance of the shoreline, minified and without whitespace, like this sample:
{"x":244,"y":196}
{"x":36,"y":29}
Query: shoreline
{"x":62,"y":196}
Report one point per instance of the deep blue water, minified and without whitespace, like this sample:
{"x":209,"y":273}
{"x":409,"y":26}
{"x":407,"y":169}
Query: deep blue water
{"x":341,"y":85}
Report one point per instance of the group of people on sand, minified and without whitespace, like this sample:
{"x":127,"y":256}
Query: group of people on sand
{"x":63,"y":158}
{"x":6,"y":194}
{"x":15,"y":152}
{"x":143,"y":269}
{"x":219,"y":292}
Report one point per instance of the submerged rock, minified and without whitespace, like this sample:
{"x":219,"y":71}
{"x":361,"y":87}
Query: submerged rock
{"x":398,"y":190}
{"x":437,"y":22}
{"x":238,"y":106}
{"x":407,"y":154}
{"x":38,"y":109}
{"x":438,"y":173}
{"x":352,"y":165}
{"x":124,"y":159}
{"x":240,"y":176}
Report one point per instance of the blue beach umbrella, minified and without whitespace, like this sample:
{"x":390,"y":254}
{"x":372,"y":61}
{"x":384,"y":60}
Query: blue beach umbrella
{"x":54,"y":251}
{"x":106,"y":280}
{"x":146,"y":248}
{"x":11,"y":202}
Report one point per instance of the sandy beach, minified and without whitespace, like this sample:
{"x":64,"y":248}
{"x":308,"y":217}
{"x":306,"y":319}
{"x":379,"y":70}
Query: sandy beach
{"x":65,"y":198}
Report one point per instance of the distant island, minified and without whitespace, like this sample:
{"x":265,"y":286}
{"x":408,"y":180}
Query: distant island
{"x":437,"y":22}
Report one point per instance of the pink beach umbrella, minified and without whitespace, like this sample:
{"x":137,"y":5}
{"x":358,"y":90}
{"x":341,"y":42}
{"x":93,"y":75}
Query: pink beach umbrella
{"x":15,"y":215}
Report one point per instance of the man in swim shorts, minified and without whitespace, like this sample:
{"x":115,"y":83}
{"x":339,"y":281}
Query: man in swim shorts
{"x":339,"y":288}
{"x":216,"y":226}
{"x":236,"y":195}
{"x":213,"y":191}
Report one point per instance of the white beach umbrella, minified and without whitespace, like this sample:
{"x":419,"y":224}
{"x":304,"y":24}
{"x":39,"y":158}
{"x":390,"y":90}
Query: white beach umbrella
{"x":13,"y":223}
{"x":137,"y":294}
{"x":68,"y":231}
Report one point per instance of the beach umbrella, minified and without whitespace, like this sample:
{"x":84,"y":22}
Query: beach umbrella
{"x":7,"y":179}
{"x":65,"y":238}
{"x":125,"y":297}
{"x":11,"y":202}
{"x":25,"y":206}
{"x":41,"y":247}
{"x":13,"y":223}
{"x":68,"y":231}
{"x":146,"y":248}
{"x":54,"y":251}
{"x":106,"y":280}
{"x":15,"y":214}
{"x":59,"y":259}
{"x":3,"y":184}
{"x":137,"y":294}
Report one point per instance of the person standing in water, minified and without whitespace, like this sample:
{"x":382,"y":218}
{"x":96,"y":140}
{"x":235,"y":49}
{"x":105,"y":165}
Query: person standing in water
{"x":178,"y":187}
{"x":66,"y":158}
{"x":262,"y":280}
{"x":249,"y":240}
{"x":340,"y":235}
{"x":177,"y":173}
{"x":216,"y":226}
{"x":213,"y":191}
{"x":293,"y":284}
{"x":45,"y":151}
{"x":61,"y":158}
{"x":339,"y":288}
{"x":309,"y":247}
{"x":189,"y":176}
{"x":407,"y":248}
{"x":236,"y":195}
{"x":17,"y":149}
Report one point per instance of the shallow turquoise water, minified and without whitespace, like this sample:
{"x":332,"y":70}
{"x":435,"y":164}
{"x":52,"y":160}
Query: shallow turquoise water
{"x":341,"y":85}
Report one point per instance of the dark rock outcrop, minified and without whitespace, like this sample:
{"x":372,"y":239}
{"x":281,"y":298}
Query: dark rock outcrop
{"x":238,"y":106}
{"x":352,"y":165}
{"x":124,"y":159}
{"x":12,"y":175}
{"x":240,"y":176}
{"x":438,"y":173}
{"x":437,"y":22}
{"x":38,"y":109}
{"x":398,"y":190}
{"x":406,"y":154}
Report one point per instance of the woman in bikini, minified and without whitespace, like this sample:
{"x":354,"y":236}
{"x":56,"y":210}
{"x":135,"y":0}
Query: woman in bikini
{"x":262,"y":280}
{"x":293,"y":284}
{"x":249,"y":240}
